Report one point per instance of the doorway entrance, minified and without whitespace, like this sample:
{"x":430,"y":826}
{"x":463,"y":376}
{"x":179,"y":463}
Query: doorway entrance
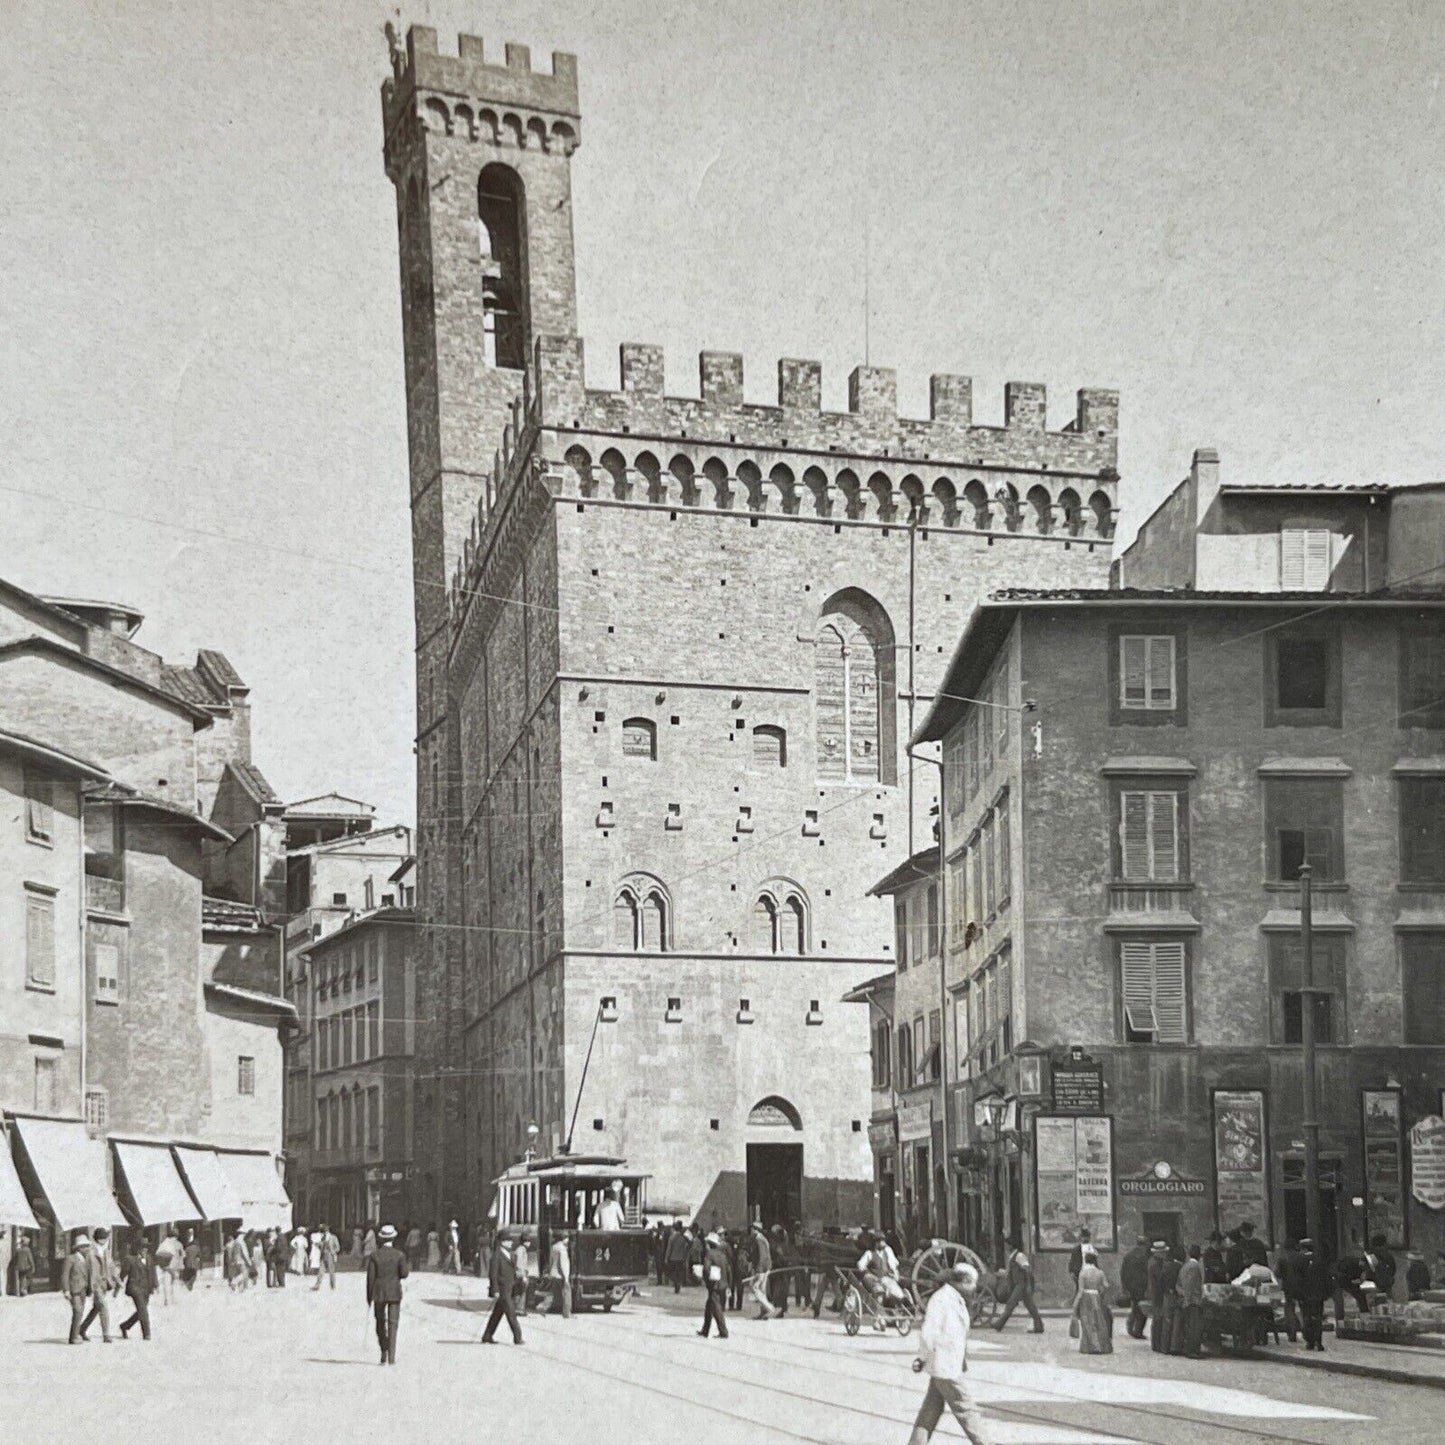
{"x":1168,"y":1225}
{"x":1295,"y":1227}
{"x":775,"y":1184}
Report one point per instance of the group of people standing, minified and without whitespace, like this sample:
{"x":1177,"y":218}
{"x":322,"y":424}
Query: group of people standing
{"x":763,"y":1266}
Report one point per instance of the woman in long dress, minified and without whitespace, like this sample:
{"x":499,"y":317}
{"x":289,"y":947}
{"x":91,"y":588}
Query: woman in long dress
{"x":298,"y":1252}
{"x":433,"y":1248}
{"x":1091,"y":1308}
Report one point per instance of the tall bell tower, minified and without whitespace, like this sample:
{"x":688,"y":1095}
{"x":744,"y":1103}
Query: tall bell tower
{"x":480,"y":155}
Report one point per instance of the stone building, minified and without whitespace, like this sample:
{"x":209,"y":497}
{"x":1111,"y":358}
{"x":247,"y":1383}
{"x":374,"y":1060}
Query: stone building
{"x":1122,"y":896}
{"x":669,"y":649}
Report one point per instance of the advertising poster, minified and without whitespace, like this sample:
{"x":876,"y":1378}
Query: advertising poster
{"x":1384,"y":1166}
{"x":1427,"y":1162}
{"x":1074,"y":1180}
{"x":1241,"y":1159}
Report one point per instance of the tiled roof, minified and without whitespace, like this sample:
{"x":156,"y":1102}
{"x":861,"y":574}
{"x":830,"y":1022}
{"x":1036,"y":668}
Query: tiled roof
{"x":219,"y":667}
{"x":254,"y":781}
{"x":1366,"y":489}
{"x":232,"y":917}
{"x":186,"y":684}
{"x":1188,"y":594}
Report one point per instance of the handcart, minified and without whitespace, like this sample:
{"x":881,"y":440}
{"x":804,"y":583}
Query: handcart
{"x":883,"y":1303}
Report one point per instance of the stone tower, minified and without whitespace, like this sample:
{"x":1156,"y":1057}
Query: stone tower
{"x":668,"y":654}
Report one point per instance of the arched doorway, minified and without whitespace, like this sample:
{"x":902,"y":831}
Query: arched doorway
{"x":775,"y":1163}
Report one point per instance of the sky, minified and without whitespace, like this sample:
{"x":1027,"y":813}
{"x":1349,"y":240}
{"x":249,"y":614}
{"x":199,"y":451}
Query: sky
{"x":1230,"y":212}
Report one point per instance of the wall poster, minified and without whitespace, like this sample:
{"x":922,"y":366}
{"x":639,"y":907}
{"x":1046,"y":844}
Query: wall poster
{"x":1074,"y":1180}
{"x":1241,"y":1159}
{"x":1384,"y":1166}
{"x":1427,"y":1162}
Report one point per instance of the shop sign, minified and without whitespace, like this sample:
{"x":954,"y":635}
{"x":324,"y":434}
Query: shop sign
{"x":880,"y":1135}
{"x":1427,"y":1162}
{"x":1074,"y":1180}
{"x":1077,"y":1088}
{"x":1384,"y":1165}
{"x":915,"y":1118}
{"x":1241,"y":1178}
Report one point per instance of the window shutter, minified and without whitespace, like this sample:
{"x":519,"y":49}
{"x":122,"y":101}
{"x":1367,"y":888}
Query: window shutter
{"x":1169,"y":992}
{"x":40,"y":941}
{"x":1304,"y":559}
{"x":1134,"y":834}
{"x":1292,"y":560}
{"x":1320,"y":852}
{"x":1132,"y":688}
{"x":1164,"y":836}
{"x":1161,"y":672}
{"x":1136,"y":968}
{"x":970,"y":747}
{"x":1317,"y":560}
{"x":1005,"y":854}
{"x":1423,"y":959}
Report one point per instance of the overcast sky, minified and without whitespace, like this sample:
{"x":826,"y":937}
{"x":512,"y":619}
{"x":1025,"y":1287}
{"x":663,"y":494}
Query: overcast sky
{"x":1231,"y":212}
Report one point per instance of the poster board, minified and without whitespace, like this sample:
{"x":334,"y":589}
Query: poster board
{"x":1073,"y":1181}
{"x":1241,"y":1159}
{"x":1384,"y":1152}
{"x":1427,"y":1162}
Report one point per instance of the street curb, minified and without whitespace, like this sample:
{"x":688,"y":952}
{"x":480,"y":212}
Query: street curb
{"x":1349,"y":1367}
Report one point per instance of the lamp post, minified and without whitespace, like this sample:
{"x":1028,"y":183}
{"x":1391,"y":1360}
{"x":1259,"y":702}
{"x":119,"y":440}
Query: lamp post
{"x":1307,"y":1048}
{"x":996,"y":1107}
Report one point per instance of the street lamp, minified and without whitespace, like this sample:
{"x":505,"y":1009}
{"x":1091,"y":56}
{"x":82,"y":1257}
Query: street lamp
{"x":995,"y":1109}
{"x":532,"y":1132}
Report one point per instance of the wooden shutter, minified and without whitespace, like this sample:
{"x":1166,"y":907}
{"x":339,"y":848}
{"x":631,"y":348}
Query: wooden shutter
{"x":1005,"y":854}
{"x":40,"y":941}
{"x":1169,"y":1004}
{"x":1134,"y":835}
{"x":1133,"y":672}
{"x":1304,"y":559}
{"x":986,"y":848}
{"x":1317,"y":560}
{"x":1161,"y":673}
{"x":1136,"y":972}
{"x":970,"y":747}
{"x":1292,"y":560}
{"x":1164,"y":837}
{"x":39,"y":807}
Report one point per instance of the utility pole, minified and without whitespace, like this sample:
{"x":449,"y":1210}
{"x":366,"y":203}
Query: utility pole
{"x":1307,"y":1047}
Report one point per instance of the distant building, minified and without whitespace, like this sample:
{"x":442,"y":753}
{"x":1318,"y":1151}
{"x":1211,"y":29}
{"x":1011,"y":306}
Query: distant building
{"x":1123,"y":834}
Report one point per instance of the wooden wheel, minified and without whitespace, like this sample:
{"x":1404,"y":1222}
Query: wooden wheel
{"x":852,"y":1310}
{"x":931,"y":1267}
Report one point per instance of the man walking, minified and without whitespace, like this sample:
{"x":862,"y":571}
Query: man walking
{"x":1158,"y":1325}
{"x":330,"y":1250}
{"x":452,"y":1263}
{"x":715,"y":1285}
{"x":169,"y":1256}
{"x":1190,"y":1290}
{"x":280,"y":1257}
{"x":676,"y":1255}
{"x":190,"y":1260}
{"x":79,"y":1279}
{"x":1020,"y":1287}
{"x":761,"y":1257}
{"x":1287,"y":1272}
{"x":109,"y":1283}
{"x":385,"y":1270}
{"x":140,"y":1284}
{"x":24,"y":1266}
{"x":559,"y":1271}
{"x":944,"y":1357}
{"x":503,"y":1281}
{"x":1134,"y":1281}
{"x":1313,"y":1287}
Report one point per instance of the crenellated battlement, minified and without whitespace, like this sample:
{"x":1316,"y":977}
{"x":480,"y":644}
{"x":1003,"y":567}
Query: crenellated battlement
{"x":468,"y":96}
{"x":867,"y":466}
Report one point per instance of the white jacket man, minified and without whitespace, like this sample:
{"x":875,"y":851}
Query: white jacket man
{"x":944,"y":1356}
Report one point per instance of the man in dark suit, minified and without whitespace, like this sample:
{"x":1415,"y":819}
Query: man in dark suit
{"x":386,"y":1267}
{"x":79,"y":1277}
{"x":1158,"y":1325}
{"x":503,"y":1282}
{"x":109,"y":1283}
{"x":1312,"y":1287}
{"x":1134,"y":1280}
{"x":715,"y":1284}
{"x":141,"y":1282}
{"x":1076,"y":1259}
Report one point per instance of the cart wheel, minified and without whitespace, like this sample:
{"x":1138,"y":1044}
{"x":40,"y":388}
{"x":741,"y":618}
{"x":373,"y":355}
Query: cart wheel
{"x":607,"y":1307}
{"x":983,"y":1306}
{"x":931,"y":1267}
{"x":904,"y":1324}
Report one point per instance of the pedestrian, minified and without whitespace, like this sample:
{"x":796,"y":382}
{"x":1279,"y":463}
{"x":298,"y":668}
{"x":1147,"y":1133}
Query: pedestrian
{"x":330,"y":1251}
{"x":433,"y":1248}
{"x":760,"y":1261}
{"x":1417,"y":1275}
{"x":802,"y":1275}
{"x":1234,"y":1260}
{"x":368,"y":1243}
{"x":1287,"y":1271}
{"x":313,"y":1250}
{"x":280,"y":1257}
{"x":1254,"y":1250}
{"x":1354,"y":1277}
{"x":103,"y":1267}
{"x":1020,"y":1287}
{"x":1158,"y":1336}
{"x":1169,"y":1280}
{"x":944,"y":1357}
{"x":385,"y":1270}
{"x":190,"y":1260}
{"x":503,"y":1281}
{"x":610,"y":1213}
{"x":1092,"y":1319}
{"x":659,"y":1252}
{"x":255,"y":1257}
{"x":1190,"y":1289}
{"x":778,"y":1279}
{"x":1076,"y":1257}
{"x":559,"y":1271}
{"x":24,"y":1266}
{"x":1383,"y":1266}
{"x":452,"y":1264}
{"x":413,"y":1244}
{"x":231,"y":1265}
{"x":300,"y":1251}
{"x":733,"y":1243}
{"x":715,"y":1287}
{"x":80,"y":1278}
{"x":1215,"y":1271}
{"x":1313,"y":1288}
{"x":141,"y":1283}
{"x":1134,"y":1281}
{"x":676,"y":1256}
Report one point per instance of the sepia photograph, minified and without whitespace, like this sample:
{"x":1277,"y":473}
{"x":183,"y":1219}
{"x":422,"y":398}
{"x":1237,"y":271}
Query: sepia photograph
{"x":610,"y":830}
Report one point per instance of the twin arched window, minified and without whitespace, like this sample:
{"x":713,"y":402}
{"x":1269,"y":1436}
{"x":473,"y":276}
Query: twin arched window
{"x":855,"y":692}
{"x":642,"y":916}
{"x":779,"y":922}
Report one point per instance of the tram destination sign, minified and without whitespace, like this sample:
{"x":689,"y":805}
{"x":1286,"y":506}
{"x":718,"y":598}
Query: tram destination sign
{"x":1077,"y":1088}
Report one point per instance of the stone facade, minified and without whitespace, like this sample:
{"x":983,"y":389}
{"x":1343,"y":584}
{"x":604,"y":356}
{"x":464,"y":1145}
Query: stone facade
{"x":669,"y":654}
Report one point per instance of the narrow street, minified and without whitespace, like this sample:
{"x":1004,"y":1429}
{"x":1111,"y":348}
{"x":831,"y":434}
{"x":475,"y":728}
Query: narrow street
{"x":273,"y":1366}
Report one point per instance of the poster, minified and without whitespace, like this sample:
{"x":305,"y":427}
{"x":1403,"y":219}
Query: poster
{"x":1241,"y":1159}
{"x":1074,"y":1180}
{"x":1427,"y":1162}
{"x":1384,"y":1166}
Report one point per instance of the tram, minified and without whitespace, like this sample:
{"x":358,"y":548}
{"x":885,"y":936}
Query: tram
{"x":538,"y":1198}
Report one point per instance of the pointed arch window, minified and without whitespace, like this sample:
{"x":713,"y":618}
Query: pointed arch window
{"x":780,"y":919}
{"x":642,"y":916}
{"x":854,"y":693}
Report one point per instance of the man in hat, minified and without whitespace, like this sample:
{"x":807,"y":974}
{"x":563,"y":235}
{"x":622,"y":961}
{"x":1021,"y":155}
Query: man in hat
{"x":1134,"y":1281}
{"x":1215,"y":1269}
{"x":503,"y":1281}
{"x":80,"y":1277}
{"x":1312,"y":1284}
{"x":141,"y":1282}
{"x":1020,"y":1287}
{"x":385,"y":1269}
{"x":24,"y":1266}
{"x":944,"y":1357}
{"x":328,"y":1252}
{"x":1158,"y":1326}
{"x":452,"y":1264}
{"x":101,"y":1267}
{"x":610,"y":1213}
{"x":761,"y":1257}
{"x":715,"y":1286}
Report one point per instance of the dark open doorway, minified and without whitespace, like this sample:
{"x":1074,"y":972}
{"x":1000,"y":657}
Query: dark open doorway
{"x":1165,"y":1224}
{"x":775,"y":1183}
{"x":1331,"y":1171}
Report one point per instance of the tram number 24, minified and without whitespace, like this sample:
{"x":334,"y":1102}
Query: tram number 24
{"x":602,"y":1254}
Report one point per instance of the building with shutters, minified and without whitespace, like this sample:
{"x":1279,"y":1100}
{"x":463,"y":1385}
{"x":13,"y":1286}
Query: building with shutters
{"x":1123,"y":875}
{"x":669,"y":648}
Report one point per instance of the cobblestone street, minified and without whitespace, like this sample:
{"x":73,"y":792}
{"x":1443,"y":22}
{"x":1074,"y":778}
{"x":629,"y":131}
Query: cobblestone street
{"x":273,"y":1366}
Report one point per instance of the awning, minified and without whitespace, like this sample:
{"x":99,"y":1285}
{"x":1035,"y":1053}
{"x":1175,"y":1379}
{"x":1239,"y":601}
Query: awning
{"x":155,"y":1185}
{"x":208,"y":1182}
{"x":264,"y":1201}
{"x":71,"y":1168}
{"x":14,"y":1206}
